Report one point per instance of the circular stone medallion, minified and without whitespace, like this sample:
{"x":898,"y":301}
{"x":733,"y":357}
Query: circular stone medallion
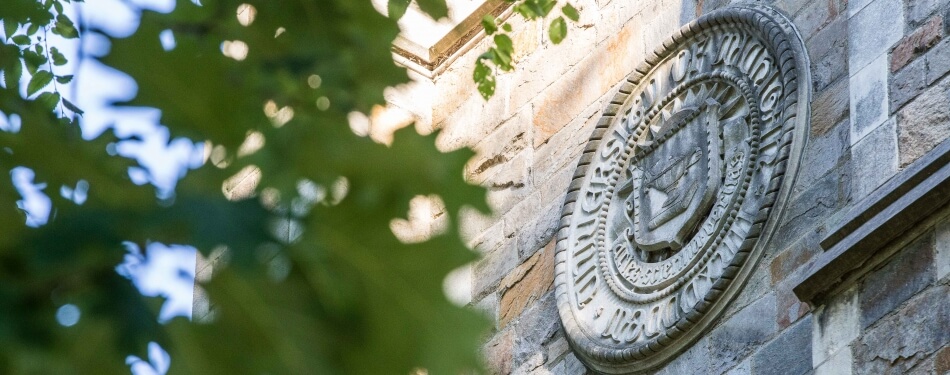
{"x":680,"y":187}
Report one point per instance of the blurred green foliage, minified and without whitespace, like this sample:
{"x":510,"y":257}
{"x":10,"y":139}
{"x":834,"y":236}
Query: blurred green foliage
{"x":354,"y":300}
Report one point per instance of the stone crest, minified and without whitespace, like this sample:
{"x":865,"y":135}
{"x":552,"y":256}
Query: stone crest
{"x":679,"y":188}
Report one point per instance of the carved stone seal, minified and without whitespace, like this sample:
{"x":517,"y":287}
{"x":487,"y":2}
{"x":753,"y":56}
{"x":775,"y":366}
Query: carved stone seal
{"x":680,"y":187}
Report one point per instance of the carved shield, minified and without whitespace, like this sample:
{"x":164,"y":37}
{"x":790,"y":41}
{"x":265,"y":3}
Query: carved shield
{"x":675,"y":177}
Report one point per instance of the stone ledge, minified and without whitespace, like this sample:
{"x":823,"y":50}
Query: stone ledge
{"x":885,"y":215}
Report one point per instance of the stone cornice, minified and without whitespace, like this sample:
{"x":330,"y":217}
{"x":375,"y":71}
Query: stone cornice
{"x":895,"y":208}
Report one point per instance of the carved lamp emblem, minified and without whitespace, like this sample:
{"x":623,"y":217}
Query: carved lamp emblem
{"x":680,"y":188}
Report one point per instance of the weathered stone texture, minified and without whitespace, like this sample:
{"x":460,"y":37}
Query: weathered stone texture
{"x":873,"y":29}
{"x":836,"y":325}
{"x":788,"y":354}
{"x":741,"y":334}
{"x":902,"y":340}
{"x":909,"y":272}
{"x":917,"y":43}
{"x":923,"y":123}
{"x":526,"y":284}
{"x":874,"y":159}
{"x":868,"y":98}
{"x":828,"y":50}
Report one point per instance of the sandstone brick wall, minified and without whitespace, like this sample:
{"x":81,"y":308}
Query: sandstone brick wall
{"x":881,"y":100}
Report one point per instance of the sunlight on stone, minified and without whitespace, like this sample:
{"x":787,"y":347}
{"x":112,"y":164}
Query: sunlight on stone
{"x":234,"y":49}
{"x":243,"y":184}
{"x":426,"y":219}
{"x":457,"y":285}
{"x":252,"y":143}
{"x":246,"y":14}
{"x":385,"y":121}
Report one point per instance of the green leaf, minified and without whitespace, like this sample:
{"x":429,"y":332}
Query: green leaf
{"x":9,"y":28}
{"x":40,"y":80}
{"x":484,"y":79}
{"x":65,"y":28}
{"x":557,"y":30}
{"x":12,"y":73}
{"x":397,"y":8}
{"x":58,"y":58}
{"x":546,"y":6}
{"x":48,"y":100}
{"x":64,"y":79}
{"x":72,"y":107}
{"x":21,"y":40}
{"x":434,"y":8}
{"x":506,"y":27}
{"x":488,"y":22}
{"x":570,"y":12}
{"x":34,"y":27}
{"x":503,"y":51}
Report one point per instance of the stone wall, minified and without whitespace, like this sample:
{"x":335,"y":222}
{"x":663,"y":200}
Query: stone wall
{"x":880,"y":102}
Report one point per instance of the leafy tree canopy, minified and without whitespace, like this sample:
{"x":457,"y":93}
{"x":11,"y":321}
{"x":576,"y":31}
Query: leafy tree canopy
{"x":346,"y":297}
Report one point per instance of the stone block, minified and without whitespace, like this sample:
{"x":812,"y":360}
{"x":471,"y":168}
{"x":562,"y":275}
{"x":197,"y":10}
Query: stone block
{"x":919,"y":11}
{"x":830,"y":107}
{"x":788,"y":307}
{"x":869,"y":104}
{"x":840,"y":364}
{"x":536,"y":327}
{"x":539,"y":230}
{"x":828,"y":52}
{"x":741,"y":334}
{"x":822,"y":154}
{"x":526,"y":284}
{"x":795,"y":256}
{"x":904,"y":275}
{"x":570,"y":365}
{"x":488,"y":306}
{"x":566,"y":145}
{"x":942,"y":249}
{"x":489,"y":239}
{"x":873,"y":30}
{"x":498,"y":147}
{"x":923,"y":123}
{"x":620,"y":54}
{"x":938,"y":61}
{"x":836,"y":324}
{"x":694,"y":360}
{"x":942,"y":361}
{"x":807,"y":209}
{"x":874,"y":159}
{"x":489,"y":270}
{"x":906,"y":84}
{"x":901,"y":341}
{"x":744,"y":368}
{"x":918,"y":42}
{"x":564,"y":100}
{"x":498,"y":353}
{"x":510,"y":185}
{"x":814,"y":16}
{"x":788,"y":354}
{"x":522,"y":213}
{"x":474,"y":119}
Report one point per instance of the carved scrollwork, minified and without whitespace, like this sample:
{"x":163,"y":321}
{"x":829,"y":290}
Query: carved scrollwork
{"x":680,"y":186}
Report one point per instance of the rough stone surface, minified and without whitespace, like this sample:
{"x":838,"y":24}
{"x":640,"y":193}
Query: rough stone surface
{"x":536,"y":327}
{"x":873,"y":30}
{"x":526,"y":284}
{"x":840,"y":364}
{"x":868,"y":98}
{"x":788,"y":354}
{"x":739,"y":336}
{"x":942,"y":255}
{"x":695,"y":360}
{"x":911,"y":46}
{"x":823,"y":153}
{"x":489,"y":271}
{"x":828,"y":51}
{"x":829,"y":108}
{"x":907,"y":84}
{"x":909,"y":272}
{"x":902,"y":340}
{"x":938,"y":61}
{"x":497,"y":353}
{"x":923,"y":124}
{"x":874,"y":159}
{"x":836,"y":325}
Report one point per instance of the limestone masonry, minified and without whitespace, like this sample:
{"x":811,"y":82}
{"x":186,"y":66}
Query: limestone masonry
{"x":766,"y":194}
